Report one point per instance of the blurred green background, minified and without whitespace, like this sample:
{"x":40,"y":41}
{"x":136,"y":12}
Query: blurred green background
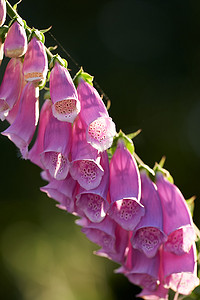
{"x":145,"y":55}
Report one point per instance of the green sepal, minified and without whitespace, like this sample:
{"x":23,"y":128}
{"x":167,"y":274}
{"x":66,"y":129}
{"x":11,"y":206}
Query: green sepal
{"x":52,"y":48}
{"x":45,"y":30}
{"x":47,"y":95}
{"x":190,"y":204}
{"x":127,"y":142}
{"x":82,"y":75}
{"x":57,"y":58}
{"x":133,"y":134}
{"x":158,"y":168}
{"x":3,"y":33}
{"x":149,"y":171}
{"x":15,"y":5}
{"x":39,"y":35}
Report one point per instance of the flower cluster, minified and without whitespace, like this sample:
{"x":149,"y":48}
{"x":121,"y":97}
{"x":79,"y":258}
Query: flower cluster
{"x":144,"y":226}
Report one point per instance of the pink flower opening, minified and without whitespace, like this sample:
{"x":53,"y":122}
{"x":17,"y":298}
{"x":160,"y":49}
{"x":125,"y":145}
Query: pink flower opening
{"x":180,"y":241}
{"x":148,"y":240}
{"x":87,"y":172}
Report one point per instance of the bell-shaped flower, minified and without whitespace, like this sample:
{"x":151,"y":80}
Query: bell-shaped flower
{"x":100,"y":128}
{"x":102,"y":233}
{"x":66,"y":105}
{"x":62,"y":191}
{"x":119,"y":250}
{"x":56,"y":147}
{"x":140,"y":269}
{"x":125,"y":189}
{"x":2,"y":12}
{"x":180,"y":271}
{"x":35,"y":64}
{"x":12,"y":113}
{"x":15,"y":44}
{"x":161,"y":293}
{"x":177,"y":220}
{"x":11,"y":86}
{"x":94,"y":202}
{"x":85,"y":166}
{"x":37,"y":149}
{"x":22,"y":129}
{"x":149,"y":235}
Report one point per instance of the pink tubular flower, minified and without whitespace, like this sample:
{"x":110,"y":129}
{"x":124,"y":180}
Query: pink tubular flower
{"x":100,"y":127}
{"x":140,"y":269}
{"x":62,"y":191}
{"x":85,"y":165}
{"x":149,"y":235}
{"x":56,"y":147}
{"x":16,"y":41}
{"x":66,"y":105}
{"x":180,"y":271}
{"x":37,"y":149}
{"x":116,"y":253}
{"x":11,"y":86}
{"x":102,"y":233}
{"x":177,"y":220}
{"x":125,"y":189}
{"x":161,"y":293}
{"x":94,"y":202}
{"x":35,"y":64}
{"x":22,"y":129}
{"x":2,"y":12}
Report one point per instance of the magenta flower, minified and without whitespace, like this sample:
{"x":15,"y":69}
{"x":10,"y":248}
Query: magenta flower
{"x":177,"y":220}
{"x":16,"y":41}
{"x":125,"y":189}
{"x":94,"y":202}
{"x":102,"y":233}
{"x":180,"y":271}
{"x":100,"y":127}
{"x":11,"y":86}
{"x":149,"y":235}
{"x":35,"y":64}
{"x":161,"y":293}
{"x":37,"y":149}
{"x":85,"y":165}
{"x":2,"y":12}
{"x":62,"y":191}
{"x":66,"y":105}
{"x":14,"y":111}
{"x":116,"y":253}
{"x":56,"y":147}
{"x":22,"y":129}
{"x":140,"y":269}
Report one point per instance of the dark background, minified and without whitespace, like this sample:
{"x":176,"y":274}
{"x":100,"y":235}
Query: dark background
{"x":145,"y":55}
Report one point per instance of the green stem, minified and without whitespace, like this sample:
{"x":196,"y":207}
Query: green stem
{"x":13,"y":14}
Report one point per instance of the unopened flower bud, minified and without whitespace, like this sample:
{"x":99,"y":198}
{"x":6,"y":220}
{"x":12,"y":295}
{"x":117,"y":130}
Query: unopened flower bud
{"x":16,"y":41}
